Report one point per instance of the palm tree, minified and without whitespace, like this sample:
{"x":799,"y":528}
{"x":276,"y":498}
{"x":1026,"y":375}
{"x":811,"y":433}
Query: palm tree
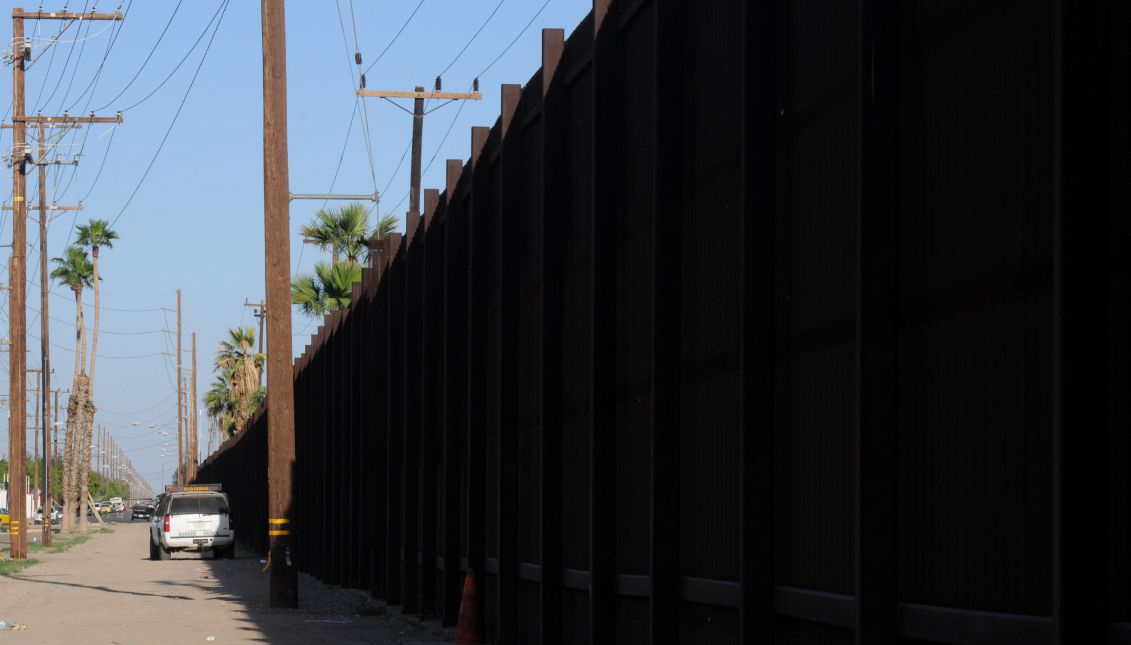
{"x":95,"y":235}
{"x":349,"y":226}
{"x":329,"y":289}
{"x":385,"y":227}
{"x":322,"y":232}
{"x":236,"y":355}
{"x":221,"y":404}
{"x":74,"y":270}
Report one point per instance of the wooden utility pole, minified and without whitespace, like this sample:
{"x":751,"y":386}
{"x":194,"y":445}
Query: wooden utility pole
{"x":54,"y":433}
{"x":44,"y":333}
{"x":419,"y":96}
{"x":17,"y":312}
{"x":194,"y":450}
{"x":35,"y":450}
{"x":180,"y":401}
{"x":17,"y":359}
{"x":280,"y":372}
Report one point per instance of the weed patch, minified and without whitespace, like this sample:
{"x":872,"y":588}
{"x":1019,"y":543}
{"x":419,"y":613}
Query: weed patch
{"x":11,"y":567}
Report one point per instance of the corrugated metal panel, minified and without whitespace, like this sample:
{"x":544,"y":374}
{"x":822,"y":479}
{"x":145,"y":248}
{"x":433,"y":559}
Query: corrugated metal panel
{"x":814,"y":303}
{"x":976,"y":318}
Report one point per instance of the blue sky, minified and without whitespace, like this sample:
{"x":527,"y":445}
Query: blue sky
{"x":196,"y":222}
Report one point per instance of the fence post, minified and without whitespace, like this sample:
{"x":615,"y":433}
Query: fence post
{"x":876,"y":316}
{"x":509,"y":206}
{"x":480,"y":276}
{"x":554,"y":196}
{"x":603,"y":287}
{"x":454,"y":374}
{"x":1082,"y":195}
{"x":759,"y":95}
{"x":671,"y":121}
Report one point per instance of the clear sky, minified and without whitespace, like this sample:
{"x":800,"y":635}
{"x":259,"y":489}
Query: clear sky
{"x":196,"y":222}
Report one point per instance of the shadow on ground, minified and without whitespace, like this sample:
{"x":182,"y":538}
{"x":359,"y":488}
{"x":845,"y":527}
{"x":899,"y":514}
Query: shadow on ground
{"x":325,"y":614}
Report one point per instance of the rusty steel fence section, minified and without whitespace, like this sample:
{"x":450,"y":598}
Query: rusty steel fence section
{"x":759,"y":322}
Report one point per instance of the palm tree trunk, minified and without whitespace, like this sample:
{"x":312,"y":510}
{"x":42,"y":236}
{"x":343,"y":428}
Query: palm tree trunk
{"x":86,"y":434}
{"x":97,"y":316}
{"x":74,"y":407}
{"x":82,"y":335}
{"x":69,"y":493}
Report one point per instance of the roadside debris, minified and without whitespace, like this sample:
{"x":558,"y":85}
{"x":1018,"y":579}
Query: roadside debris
{"x":6,"y":626}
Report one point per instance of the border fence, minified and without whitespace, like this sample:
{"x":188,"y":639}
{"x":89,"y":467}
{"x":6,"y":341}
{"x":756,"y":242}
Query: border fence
{"x":749,"y":322}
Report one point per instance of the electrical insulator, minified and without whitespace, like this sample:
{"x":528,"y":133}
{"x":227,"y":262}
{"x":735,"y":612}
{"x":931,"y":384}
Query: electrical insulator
{"x":475,"y":85}
{"x":438,"y":84}
{"x":363,"y":81}
{"x":357,"y":57}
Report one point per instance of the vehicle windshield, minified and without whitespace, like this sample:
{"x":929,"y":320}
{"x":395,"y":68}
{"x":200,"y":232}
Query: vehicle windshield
{"x":202,"y":504}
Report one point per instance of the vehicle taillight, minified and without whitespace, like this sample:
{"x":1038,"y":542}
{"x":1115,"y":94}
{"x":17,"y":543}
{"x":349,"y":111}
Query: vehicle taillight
{"x":167,"y":523}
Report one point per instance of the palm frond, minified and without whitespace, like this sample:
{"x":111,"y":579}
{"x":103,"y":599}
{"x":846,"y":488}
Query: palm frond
{"x":74,"y":269}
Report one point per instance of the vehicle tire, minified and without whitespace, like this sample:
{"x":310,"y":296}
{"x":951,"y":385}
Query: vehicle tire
{"x":152,"y":550}
{"x":163,"y":553}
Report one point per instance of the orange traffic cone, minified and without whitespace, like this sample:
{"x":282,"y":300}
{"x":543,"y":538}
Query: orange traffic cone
{"x":469,"y":629}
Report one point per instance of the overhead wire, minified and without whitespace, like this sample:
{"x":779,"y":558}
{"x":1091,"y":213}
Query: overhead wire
{"x":515,"y":39}
{"x":78,"y":63}
{"x":218,"y":14}
{"x":121,"y":24}
{"x":149,"y":167}
{"x":148,"y":57}
{"x":358,"y":99}
{"x":398,"y":35}
{"x":497,"y":58}
{"x":66,"y":64}
{"x":473,"y":37}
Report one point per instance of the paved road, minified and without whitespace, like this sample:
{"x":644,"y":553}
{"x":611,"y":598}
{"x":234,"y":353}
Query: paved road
{"x":108,"y":591}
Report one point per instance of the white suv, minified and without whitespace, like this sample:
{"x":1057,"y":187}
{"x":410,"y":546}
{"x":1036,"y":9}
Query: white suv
{"x":192,"y":518}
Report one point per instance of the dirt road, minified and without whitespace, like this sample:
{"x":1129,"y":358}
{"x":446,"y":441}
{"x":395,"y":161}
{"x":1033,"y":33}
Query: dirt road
{"x":108,"y":591}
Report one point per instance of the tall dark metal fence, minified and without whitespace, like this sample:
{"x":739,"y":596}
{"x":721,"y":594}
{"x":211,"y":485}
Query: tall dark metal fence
{"x":749,"y":322}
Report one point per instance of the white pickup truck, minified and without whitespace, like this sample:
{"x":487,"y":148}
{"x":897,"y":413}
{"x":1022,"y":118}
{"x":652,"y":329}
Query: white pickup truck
{"x":192,"y":518}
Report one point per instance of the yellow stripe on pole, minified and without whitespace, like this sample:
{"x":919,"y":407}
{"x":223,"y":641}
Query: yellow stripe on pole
{"x":281,"y":520}
{"x":278,"y":532}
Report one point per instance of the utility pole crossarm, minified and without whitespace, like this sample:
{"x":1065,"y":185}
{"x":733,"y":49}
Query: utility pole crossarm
{"x":50,"y":208}
{"x":40,"y":14}
{"x":66,"y":118}
{"x":395,"y":94}
{"x":372,"y":197}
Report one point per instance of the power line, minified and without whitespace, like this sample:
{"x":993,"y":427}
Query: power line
{"x":485,"y":70}
{"x":102,"y":165}
{"x":220,"y":10}
{"x":358,"y":99}
{"x":90,"y":87}
{"x":399,"y":32}
{"x":78,"y":63}
{"x":515,"y":40}
{"x":147,"y":58}
{"x":66,"y":64}
{"x":148,"y":168}
{"x":473,"y":37}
